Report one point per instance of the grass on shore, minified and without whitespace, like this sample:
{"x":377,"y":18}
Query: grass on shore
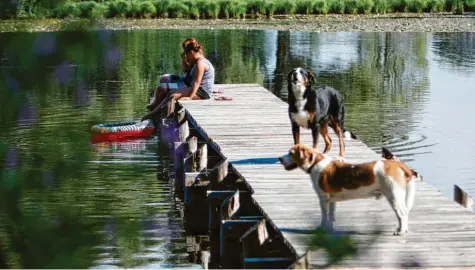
{"x":238,"y":9}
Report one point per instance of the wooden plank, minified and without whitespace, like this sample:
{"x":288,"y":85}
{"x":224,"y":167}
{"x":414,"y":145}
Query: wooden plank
{"x":253,"y":129}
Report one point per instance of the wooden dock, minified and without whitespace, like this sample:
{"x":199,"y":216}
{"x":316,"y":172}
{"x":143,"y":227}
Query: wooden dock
{"x":253,"y":129}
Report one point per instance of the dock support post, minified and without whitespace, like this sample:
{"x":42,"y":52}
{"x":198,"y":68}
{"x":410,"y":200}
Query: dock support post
{"x":196,"y":247}
{"x":259,"y":252}
{"x":195,"y":185}
{"x":238,"y":233}
{"x":463,"y":198}
{"x":301,"y":263}
{"x":179,"y":153}
{"x":231,"y":230}
{"x":215,"y":199}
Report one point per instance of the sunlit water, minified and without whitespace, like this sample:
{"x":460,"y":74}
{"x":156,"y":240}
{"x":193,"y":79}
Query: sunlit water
{"x":111,"y":205}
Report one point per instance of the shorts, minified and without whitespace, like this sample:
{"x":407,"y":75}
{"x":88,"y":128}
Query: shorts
{"x":202,"y":93}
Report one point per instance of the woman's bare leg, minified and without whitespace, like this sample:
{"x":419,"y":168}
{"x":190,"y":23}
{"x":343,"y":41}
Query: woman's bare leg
{"x":160,"y":94}
{"x":177,"y":94}
{"x":184,"y":92}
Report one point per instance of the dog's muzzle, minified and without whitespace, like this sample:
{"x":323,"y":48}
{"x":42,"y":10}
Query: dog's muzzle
{"x":294,"y":77}
{"x":288,"y":164}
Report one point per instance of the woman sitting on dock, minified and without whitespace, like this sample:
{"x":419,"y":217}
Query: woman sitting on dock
{"x":172,"y":81}
{"x":202,"y":80}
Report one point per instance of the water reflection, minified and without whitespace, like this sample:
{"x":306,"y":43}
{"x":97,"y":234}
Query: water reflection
{"x":111,"y":205}
{"x":455,"y":51}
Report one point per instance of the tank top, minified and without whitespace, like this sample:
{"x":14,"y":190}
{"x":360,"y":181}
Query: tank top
{"x":207,"y":82}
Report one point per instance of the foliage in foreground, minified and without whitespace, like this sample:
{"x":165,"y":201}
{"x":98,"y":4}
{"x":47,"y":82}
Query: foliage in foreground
{"x":214,"y":9}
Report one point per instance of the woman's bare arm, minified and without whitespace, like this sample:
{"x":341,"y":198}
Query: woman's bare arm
{"x":185,"y":66}
{"x":200,"y":70}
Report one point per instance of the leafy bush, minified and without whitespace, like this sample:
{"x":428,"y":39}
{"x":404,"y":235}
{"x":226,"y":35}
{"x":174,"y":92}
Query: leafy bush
{"x":92,"y":10}
{"x":257,"y":7}
{"x":435,"y":5}
{"x":416,"y":5}
{"x":365,"y":6}
{"x":213,"y":9}
{"x":351,"y":6}
{"x":336,"y":6}
{"x":177,"y":9}
{"x":320,"y":6}
{"x":381,"y":6}
{"x":205,"y":9}
{"x":285,"y":7}
{"x":193,"y":11}
{"x":119,"y":8}
{"x":237,"y":9}
{"x":397,"y":6}
{"x":134,"y":10}
{"x":147,"y":9}
{"x":162,"y":7}
{"x":304,"y":7}
{"x":67,"y":10}
{"x":270,"y":8}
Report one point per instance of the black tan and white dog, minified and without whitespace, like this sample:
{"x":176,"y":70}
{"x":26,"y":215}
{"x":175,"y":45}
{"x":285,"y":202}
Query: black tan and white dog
{"x":335,"y":181}
{"x":316,"y":109}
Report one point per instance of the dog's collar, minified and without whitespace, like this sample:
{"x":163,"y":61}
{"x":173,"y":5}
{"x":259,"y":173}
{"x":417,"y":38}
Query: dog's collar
{"x":309,"y":170}
{"x":321,"y":165}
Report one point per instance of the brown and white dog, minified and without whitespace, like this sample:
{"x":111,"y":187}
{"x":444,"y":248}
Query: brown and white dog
{"x":335,"y":181}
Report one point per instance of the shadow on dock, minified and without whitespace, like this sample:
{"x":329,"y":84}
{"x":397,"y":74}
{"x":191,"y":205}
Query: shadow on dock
{"x":226,"y":228}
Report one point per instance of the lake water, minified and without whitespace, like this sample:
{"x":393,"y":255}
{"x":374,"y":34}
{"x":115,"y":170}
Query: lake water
{"x":70,"y":204}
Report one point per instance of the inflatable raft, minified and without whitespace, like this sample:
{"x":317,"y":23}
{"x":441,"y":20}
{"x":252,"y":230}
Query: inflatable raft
{"x":121,"y":131}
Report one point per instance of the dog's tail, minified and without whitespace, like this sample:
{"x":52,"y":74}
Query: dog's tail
{"x":346,"y":133}
{"x":411,"y":185}
{"x":386,"y":154}
{"x":349,"y":135}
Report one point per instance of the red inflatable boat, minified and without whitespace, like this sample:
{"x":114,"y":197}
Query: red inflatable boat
{"x":122,"y":131}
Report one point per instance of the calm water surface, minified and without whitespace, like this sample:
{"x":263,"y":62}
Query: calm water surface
{"x":70,"y":204}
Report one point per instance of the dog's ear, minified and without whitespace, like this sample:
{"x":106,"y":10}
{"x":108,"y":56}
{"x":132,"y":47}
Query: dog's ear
{"x":311,"y":77}
{"x":289,"y":74}
{"x":387,"y":154}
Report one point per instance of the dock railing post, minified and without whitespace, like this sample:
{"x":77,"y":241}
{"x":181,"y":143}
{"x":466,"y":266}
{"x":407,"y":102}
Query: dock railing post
{"x":181,"y":145}
{"x":196,"y":247}
{"x":462,"y":197}
{"x":215,"y":199}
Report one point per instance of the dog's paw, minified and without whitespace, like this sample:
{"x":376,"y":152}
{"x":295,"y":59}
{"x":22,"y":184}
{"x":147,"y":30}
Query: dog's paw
{"x":400,"y":232}
{"x":326,"y":228}
{"x":340,"y":158}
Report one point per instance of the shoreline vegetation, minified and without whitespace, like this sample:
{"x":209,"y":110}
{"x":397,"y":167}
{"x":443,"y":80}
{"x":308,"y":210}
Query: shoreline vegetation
{"x":390,"y":22}
{"x":294,"y":15}
{"x":218,"y":9}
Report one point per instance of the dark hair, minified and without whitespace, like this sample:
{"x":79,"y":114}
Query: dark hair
{"x":193,"y":46}
{"x":187,"y":41}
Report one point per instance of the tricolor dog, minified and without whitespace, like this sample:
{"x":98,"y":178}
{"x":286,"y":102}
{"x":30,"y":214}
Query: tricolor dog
{"x":315,"y":109}
{"x":335,"y":181}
